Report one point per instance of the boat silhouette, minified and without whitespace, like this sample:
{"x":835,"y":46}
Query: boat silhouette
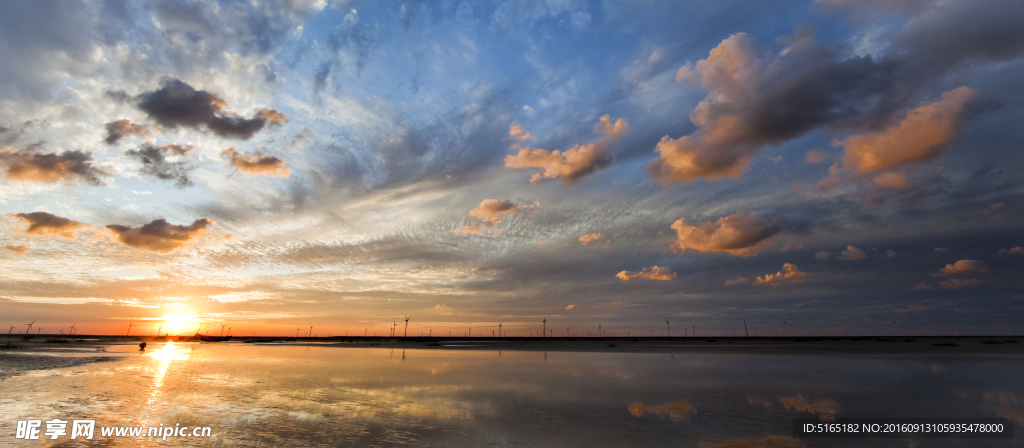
{"x":205,"y":338}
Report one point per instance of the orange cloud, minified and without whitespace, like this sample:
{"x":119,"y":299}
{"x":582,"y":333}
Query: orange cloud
{"x":957,"y":283}
{"x":790,"y":273}
{"x":178,"y":149}
{"x":29,"y":166}
{"x":923,"y":136}
{"x":587,"y":239}
{"x":17,"y":250}
{"x":735,"y":281}
{"x":651,"y":273}
{"x":825,"y":407}
{"x":673,"y":411}
{"x":120,"y":128}
{"x":1012,"y":250}
{"x":822,"y":255}
{"x":923,"y":287}
{"x":852,"y":253}
{"x":255,"y":163}
{"x":271,"y":116}
{"x":515,"y":132}
{"x":570,"y":307}
{"x":159,"y":236}
{"x":941,"y":250}
{"x":963,"y":267}
{"x":894,"y":181}
{"x":740,"y":234}
{"x":490,"y":212}
{"x":574,"y":163}
{"x":48,"y":224}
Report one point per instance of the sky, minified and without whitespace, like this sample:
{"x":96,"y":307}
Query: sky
{"x":805,"y":167}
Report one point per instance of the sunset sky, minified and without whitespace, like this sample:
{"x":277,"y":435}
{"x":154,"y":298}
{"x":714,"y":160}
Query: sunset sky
{"x":274,"y":165}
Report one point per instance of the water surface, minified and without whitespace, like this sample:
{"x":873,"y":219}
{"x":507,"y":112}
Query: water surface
{"x":258,"y":395}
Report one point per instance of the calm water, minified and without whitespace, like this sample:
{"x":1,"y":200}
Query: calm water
{"x":266,"y":395}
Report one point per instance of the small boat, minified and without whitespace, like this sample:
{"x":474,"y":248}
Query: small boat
{"x":205,"y":338}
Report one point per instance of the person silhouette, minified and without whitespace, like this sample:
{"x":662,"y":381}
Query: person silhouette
{"x":142,"y":346}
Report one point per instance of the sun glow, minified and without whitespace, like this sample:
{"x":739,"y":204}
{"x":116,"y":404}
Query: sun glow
{"x":179,"y":323}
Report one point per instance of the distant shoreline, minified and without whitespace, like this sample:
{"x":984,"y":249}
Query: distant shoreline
{"x":881,"y":345}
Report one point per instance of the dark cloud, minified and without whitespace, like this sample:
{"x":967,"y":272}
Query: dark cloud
{"x":178,"y":104}
{"x":48,"y":224}
{"x":156,"y":164}
{"x":159,"y":236}
{"x":120,"y":128}
{"x":30,"y":166}
{"x":951,"y":33}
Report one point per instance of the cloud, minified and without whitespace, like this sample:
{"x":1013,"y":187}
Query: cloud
{"x":490,"y":211}
{"x":515,"y":132}
{"x":161,"y":237}
{"x":570,"y":307}
{"x":889,"y":253}
{"x":178,"y":104}
{"x":815,"y":156}
{"x":155,"y":163}
{"x":963,"y":267}
{"x":740,"y":234}
{"x":790,"y":273}
{"x":852,"y":253}
{"x":574,"y":163}
{"x":922,"y":136}
{"x":674,"y":411}
{"x":651,"y":273}
{"x":587,"y":239}
{"x":957,"y":283}
{"x":29,"y":166}
{"x":756,"y":100}
{"x":822,"y":255}
{"x":735,"y":281}
{"x":1012,"y":250}
{"x":48,"y":224}
{"x":923,"y":287}
{"x":256,"y":163}
{"x":17,"y":250}
{"x":120,"y":128}
{"x":941,"y":250}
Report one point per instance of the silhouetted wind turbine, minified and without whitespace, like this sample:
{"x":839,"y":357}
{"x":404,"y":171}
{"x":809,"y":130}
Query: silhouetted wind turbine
{"x":39,"y":330}
{"x":747,"y":332}
{"x":668,"y":329}
{"x":310,"y":331}
{"x":12,"y":329}
{"x":30,"y":326}
{"x":222,"y":329}
{"x":160,"y":328}
{"x":406,"y":327}
{"x":1001,"y":327}
{"x":73,"y":329}
{"x":129,"y":328}
{"x":499,"y":329}
{"x":545,"y":327}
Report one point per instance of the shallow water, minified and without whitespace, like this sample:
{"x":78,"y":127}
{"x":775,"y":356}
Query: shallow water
{"x":268,"y":395}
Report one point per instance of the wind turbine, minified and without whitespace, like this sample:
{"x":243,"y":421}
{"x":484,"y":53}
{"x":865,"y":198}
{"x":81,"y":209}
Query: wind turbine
{"x":30,"y":326}
{"x":158,"y":329}
{"x":129,"y":328}
{"x":545,"y":327}
{"x":39,"y":330}
{"x":310,"y":331}
{"x":598,"y":330}
{"x":499,"y":329}
{"x":222,"y":329}
{"x":668,"y":329}
{"x":406,"y":326}
{"x":73,"y":329}
{"x":12,"y":329}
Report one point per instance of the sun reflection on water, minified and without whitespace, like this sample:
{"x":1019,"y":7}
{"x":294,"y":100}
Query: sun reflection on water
{"x":169,"y":352}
